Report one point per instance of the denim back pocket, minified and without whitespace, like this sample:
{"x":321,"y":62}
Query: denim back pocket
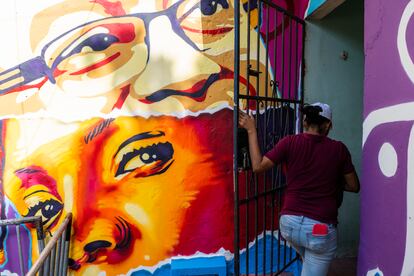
{"x":321,"y":243}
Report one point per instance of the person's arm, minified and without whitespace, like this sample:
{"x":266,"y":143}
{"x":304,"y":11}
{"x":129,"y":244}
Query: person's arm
{"x":351,"y":182}
{"x":350,"y":178}
{"x":259,"y":163}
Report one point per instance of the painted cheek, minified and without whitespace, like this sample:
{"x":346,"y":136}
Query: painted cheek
{"x":105,"y":72}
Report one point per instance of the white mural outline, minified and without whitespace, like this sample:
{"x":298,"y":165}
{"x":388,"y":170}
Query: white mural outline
{"x":403,"y":112}
{"x":405,"y":58}
{"x":399,"y":113}
{"x":407,"y":63}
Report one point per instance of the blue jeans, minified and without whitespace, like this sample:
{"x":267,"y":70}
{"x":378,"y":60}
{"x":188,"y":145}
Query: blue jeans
{"x":317,"y":251}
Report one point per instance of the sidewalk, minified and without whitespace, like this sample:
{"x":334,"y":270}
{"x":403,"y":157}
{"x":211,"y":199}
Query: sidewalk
{"x":343,"y":267}
{"x":339,"y":267}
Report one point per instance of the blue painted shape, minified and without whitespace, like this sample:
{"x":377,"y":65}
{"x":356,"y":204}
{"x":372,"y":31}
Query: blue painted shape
{"x":199,"y":266}
{"x":178,"y":266}
{"x":248,"y":264}
{"x":314,"y":5}
{"x":164,"y":270}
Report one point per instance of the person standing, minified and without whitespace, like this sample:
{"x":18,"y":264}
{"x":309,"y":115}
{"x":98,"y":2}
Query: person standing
{"x":318,"y":170}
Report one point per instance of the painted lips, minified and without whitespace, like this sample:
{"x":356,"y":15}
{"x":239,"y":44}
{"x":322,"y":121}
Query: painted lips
{"x":199,"y":90}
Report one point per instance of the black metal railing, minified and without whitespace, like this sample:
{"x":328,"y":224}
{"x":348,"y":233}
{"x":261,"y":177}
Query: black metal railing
{"x":269,"y":47}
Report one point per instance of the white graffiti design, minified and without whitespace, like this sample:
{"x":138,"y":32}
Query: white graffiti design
{"x":405,"y":58}
{"x":403,"y":112}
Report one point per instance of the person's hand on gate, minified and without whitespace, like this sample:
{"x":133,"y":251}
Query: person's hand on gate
{"x":247,"y":122}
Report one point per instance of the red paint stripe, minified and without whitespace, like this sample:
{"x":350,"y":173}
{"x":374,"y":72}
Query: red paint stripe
{"x":210,"y":32}
{"x":124,"y":94}
{"x":26,"y":87}
{"x":252,"y":90}
{"x":125,"y":32}
{"x":114,"y":9}
{"x":228,"y":74}
{"x":38,"y":85}
{"x":96,"y":65}
{"x":145,"y":101}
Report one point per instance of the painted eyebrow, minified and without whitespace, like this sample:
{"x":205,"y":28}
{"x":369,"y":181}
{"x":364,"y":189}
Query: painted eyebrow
{"x":140,"y":136}
{"x":97,"y":130}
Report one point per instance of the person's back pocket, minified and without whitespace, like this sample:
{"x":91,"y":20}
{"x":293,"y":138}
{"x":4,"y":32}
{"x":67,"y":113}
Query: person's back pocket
{"x":321,"y":241}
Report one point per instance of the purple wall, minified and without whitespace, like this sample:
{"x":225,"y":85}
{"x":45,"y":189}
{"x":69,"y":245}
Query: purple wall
{"x":387,"y":198}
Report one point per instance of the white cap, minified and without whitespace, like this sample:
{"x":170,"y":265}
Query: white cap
{"x":326,"y":110}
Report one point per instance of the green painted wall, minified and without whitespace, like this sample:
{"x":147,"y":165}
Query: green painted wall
{"x":330,"y":78}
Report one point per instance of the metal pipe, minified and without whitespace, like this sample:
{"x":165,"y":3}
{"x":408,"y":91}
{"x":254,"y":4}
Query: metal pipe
{"x":57,"y":257}
{"x":52,"y":263}
{"x":247,"y":219}
{"x":302,"y":80}
{"x":19,"y":246}
{"x":65,"y":258}
{"x":290,"y":59}
{"x":45,"y":266}
{"x":67,"y":245}
{"x":62,"y":252}
{"x":17,"y":221}
{"x":248,"y":27}
{"x":235,"y":127}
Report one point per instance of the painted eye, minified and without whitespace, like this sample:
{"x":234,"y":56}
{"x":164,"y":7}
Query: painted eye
{"x":209,"y":7}
{"x":147,"y":161}
{"x":92,"y":38}
{"x":48,"y":210}
{"x":97,"y":42}
{"x":88,"y":43}
{"x":207,"y":21}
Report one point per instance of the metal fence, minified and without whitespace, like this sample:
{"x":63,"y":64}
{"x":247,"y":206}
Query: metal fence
{"x":53,"y":260}
{"x":276,"y":103}
{"x":18,"y":224}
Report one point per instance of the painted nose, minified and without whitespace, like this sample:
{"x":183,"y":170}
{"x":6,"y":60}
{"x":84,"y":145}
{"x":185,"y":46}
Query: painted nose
{"x":91,"y":249}
{"x":96,"y":245}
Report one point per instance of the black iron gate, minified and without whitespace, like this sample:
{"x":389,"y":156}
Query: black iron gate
{"x":268,"y":83}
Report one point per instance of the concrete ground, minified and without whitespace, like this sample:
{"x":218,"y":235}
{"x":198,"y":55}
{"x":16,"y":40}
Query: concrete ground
{"x":339,"y":267}
{"x":343,"y":267}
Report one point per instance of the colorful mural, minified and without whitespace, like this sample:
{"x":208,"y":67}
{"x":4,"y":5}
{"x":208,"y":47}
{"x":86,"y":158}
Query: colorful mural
{"x":387,"y":229}
{"x":120,"y":112}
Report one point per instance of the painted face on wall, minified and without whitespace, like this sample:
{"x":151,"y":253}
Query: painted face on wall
{"x":137,"y":187}
{"x":144,"y":188}
{"x":140,"y":57}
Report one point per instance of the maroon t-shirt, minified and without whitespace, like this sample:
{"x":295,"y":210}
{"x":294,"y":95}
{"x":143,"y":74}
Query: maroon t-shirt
{"x":315,"y":168}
